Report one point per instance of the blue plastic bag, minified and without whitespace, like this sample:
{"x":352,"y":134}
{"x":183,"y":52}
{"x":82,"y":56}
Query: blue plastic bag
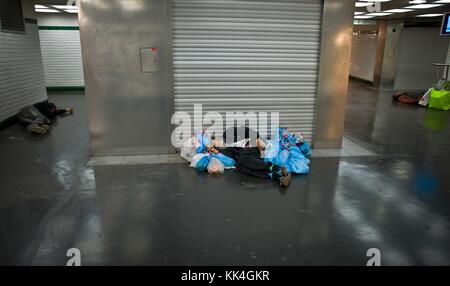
{"x":272,"y":148}
{"x":226,"y":161}
{"x":271,"y":151}
{"x":306,"y":150}
{"x":203,"y":140}
{"x":295,"y":150}
{"x":282,"y":158}
{"x":202,"y":164}
{"x":297,"y":163}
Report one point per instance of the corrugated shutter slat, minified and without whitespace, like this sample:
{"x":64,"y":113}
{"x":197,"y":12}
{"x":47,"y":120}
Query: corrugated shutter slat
{"x":242,"y":56}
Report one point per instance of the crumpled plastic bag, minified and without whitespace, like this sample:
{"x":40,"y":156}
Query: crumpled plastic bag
{"x":216,"y":167}
{"x":189,"y":149}
{"x":425,"y":98}
{"x":439,"y":99}
{"x":306,"y":150}
{"x":282,"y":158}
{"x":226,"y":161}
{"x":203,"y":142}
{"x":200,"y":161}
{"x":297,"y":162}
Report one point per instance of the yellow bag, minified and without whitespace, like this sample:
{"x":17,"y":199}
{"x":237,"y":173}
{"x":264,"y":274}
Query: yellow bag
{"x":440,"y":99}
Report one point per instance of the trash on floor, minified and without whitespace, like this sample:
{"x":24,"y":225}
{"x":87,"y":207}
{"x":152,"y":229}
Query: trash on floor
{"x":276,"y":159}
{"x":439,"y":99}
{"x":436,"y":97}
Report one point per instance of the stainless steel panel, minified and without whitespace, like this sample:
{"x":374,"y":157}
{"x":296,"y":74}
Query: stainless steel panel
{"x":237,"y":55}
{"x":381,"y":43}
{"x":337,"y":27}
{"x":129,"y":111}
{"x":390,"y":59}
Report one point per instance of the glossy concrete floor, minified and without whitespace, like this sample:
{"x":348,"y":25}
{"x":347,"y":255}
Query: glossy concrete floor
{"x":397,"y":201}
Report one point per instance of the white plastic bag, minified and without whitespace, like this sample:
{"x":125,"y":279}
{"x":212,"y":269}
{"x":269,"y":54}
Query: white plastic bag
{"x":196,"y":158}
{"x":189,"y":149}
{"x":425,"y":98}
{"x":215,"y":166}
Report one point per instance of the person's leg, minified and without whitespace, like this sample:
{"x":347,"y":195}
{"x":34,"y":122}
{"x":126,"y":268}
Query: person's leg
{"x":231,"y":152}
{"x":251,"y":159}
{"x":36,"y":128}
{"x":254,"y":173}
{"x":251,"y":163}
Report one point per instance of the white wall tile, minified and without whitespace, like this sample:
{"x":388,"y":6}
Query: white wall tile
{"x":61,"y":53}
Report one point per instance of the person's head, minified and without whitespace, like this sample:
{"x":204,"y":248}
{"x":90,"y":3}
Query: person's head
{"x":52,"y":107}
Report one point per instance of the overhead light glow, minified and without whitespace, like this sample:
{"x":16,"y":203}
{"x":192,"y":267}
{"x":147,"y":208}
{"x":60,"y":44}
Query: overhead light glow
{"x":65,"y":7}
{"x":71,"y":11}
{"x":398,"y":10}
{"x":423,"y":6}
{"x":375,"y":0}
{"x":429,"y":15}
{"x":442,"y":1}
{"x":359,"y":13}
{"x":40,"y":7}
{"x":46,"y":10}
{"x":362,"y":4}
{"x":379,"y":14}
{"x":363,"y":17}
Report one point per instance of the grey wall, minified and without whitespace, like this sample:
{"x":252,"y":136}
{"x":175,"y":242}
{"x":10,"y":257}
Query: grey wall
{"x":390,"y":59}
{"x":418,"y":49}
{"x":50,"y":19}
{"x":61,"y":50}
{"x":129,"y":111}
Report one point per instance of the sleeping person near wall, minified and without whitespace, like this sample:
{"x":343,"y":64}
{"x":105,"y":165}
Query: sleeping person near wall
{"x":243,"y":149}
{"x":39,"y":117}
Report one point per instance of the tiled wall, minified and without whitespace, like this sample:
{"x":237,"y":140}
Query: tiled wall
{"x":61,"y":53}
{"x":364,"y":50}
{"x":22,"y":79}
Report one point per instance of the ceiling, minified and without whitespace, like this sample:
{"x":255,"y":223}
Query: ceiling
{"x":401,"y":4}
{"x":363,"y":11}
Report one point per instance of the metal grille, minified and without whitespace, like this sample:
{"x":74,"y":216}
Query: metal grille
{"x":11,"y":16}
{"x":241,"y":56}
{"x":364,"y":51}
{"x":418,"y":49}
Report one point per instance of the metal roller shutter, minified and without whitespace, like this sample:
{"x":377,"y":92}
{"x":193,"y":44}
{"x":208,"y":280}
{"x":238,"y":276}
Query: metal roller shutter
{"x":364,"y":51}
{"x":241,"y":56}
{"x":418,"y":49}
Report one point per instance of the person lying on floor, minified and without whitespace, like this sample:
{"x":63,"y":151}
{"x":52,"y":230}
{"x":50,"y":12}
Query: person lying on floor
{"x":39,"y":117}
{"x":404,"y":98}
{"x":51,"y":111}
{"x":250,"y":160}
